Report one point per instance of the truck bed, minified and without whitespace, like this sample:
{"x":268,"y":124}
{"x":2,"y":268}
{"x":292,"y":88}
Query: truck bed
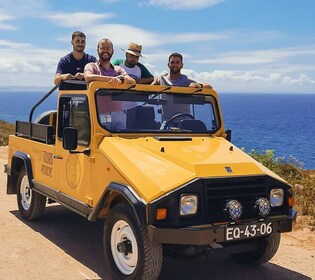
{"x":37,"y":132}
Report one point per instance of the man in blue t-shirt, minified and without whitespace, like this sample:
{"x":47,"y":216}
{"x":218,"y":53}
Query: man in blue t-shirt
{"x":132,"y":66}
{"x":71,"y":66}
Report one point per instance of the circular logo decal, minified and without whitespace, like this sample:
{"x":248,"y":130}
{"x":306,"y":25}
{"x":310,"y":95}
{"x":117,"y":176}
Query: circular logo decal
{"x":73,"y":171}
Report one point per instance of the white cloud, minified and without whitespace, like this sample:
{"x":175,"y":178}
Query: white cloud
{"x":7,"y":27}
{"x":22,"y":8}
{"x":13,"y":45}
{"x":242,"y":81}
{"x":259,"y":56}
{"x":303,"y":79}
{"x":184,"y":4}
{"x":81,"y":19}
{"x":4,"y":17}
{"x":175,"y":38}
{"x":121,"y":34}
{"x":27,"y":65}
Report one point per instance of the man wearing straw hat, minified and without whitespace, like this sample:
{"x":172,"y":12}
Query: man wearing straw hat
{"x":132,"y":66}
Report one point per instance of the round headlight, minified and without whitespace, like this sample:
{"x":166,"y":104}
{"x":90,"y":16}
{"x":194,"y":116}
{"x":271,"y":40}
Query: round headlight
{"x":263,"y":207}
{"x":234,"y":209}
{"x":188,"y":204}
{"x":276,"y":197}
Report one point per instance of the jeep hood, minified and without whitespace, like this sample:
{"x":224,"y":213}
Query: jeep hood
{"x":153,"y":166}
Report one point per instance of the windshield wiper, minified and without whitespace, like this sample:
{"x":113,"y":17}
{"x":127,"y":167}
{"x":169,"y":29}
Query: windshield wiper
{"x":164,"y":89}
{"x":197,"y":90}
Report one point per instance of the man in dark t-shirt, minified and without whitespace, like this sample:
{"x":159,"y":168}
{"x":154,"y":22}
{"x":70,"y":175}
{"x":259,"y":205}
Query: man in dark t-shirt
{"x":71,"y":66}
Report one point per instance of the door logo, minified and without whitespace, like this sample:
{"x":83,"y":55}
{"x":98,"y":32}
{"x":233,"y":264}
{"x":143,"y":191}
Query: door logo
{"x":73,"y":171}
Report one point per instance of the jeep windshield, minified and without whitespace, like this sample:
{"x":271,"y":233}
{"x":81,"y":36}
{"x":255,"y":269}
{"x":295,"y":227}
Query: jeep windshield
{"x":155,"y":112}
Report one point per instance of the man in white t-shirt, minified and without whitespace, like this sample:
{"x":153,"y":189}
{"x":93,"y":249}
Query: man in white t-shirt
{"x":132,"y":66}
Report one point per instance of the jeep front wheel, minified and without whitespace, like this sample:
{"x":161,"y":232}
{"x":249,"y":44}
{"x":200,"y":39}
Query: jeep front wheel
{"x":128,"y":249}
{"x":266,"y":248}
{"x":31,"y":204}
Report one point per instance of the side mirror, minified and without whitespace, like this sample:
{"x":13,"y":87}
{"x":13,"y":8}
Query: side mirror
{"x":228,"y":135}
{"x":70,"y":138}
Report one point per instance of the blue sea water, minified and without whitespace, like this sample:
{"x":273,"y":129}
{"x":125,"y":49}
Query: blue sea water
{"x":16,"y":105}
{"x":284,"y":123}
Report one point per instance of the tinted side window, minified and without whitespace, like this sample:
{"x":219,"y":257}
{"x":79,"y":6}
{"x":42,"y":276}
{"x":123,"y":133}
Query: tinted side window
{"x":74,"y":112}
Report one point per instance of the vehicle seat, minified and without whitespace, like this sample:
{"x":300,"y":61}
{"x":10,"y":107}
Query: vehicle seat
{"x":192,"y":125}
{"x":141,"y":117}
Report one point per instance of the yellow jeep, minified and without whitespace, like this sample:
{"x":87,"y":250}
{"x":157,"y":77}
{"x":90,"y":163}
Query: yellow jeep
{"x":158,"y":165}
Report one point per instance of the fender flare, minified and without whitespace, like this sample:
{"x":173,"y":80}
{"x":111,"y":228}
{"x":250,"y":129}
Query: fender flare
{"x":27,"y":164}
{"x":137,"y":205}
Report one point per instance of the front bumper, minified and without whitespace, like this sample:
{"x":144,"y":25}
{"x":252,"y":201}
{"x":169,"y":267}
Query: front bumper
{"x":209,"y":234}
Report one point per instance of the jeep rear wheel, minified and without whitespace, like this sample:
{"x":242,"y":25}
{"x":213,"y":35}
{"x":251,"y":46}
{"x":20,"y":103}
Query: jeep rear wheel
{"x":31,"y":204}
{"x":266,"y":248}
{"x":128,"y":249}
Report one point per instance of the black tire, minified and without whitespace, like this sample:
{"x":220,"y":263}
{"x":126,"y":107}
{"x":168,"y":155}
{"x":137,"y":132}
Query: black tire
{"x":267,"y":247}
{"x":141,"y":259}
{"x":31,"y":204}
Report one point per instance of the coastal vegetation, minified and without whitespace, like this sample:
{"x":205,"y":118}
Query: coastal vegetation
{"x":5,"y":130}
{"x":303,"y":181}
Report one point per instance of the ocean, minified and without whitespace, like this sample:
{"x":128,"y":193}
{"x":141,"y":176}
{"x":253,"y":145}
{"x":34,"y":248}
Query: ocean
{"x":284,"y":123}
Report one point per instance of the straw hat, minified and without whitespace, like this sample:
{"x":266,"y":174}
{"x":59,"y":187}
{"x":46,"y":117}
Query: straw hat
{"x":134,"y":49}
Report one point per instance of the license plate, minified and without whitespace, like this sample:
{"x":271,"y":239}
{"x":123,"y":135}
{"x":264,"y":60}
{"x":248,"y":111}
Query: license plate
{"x":240,"y":232}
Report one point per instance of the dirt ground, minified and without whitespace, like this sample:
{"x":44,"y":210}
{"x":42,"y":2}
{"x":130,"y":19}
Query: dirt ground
{"x":63,"y":245}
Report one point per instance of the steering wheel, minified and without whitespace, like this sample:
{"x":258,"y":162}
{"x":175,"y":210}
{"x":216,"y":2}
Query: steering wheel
{"x":175,"y":117}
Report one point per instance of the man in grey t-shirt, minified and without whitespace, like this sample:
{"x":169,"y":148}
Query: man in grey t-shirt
{"x":175,"y":78}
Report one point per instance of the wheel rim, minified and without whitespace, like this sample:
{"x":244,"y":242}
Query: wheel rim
{"x":26,"y":193}
{"x":126,"y":262}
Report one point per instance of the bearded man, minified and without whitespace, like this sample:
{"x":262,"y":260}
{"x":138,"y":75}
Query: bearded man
{"x":176,"y":78}
{"x":103,"y":70}
{"x":133,"y":67}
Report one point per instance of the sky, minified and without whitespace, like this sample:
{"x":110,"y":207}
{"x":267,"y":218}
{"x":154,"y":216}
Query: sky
{"x":248,"y":46}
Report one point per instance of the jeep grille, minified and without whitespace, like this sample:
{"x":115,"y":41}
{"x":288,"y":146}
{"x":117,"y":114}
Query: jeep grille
{"x":245,"y":190}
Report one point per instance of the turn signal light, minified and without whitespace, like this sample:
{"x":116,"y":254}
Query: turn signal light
{"x":161,"y":213}
{"x":291,"y":201}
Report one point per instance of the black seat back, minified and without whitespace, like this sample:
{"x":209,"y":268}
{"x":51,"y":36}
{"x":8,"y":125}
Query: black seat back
{"x":192,"y":125}
{"x":141,"y":117}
